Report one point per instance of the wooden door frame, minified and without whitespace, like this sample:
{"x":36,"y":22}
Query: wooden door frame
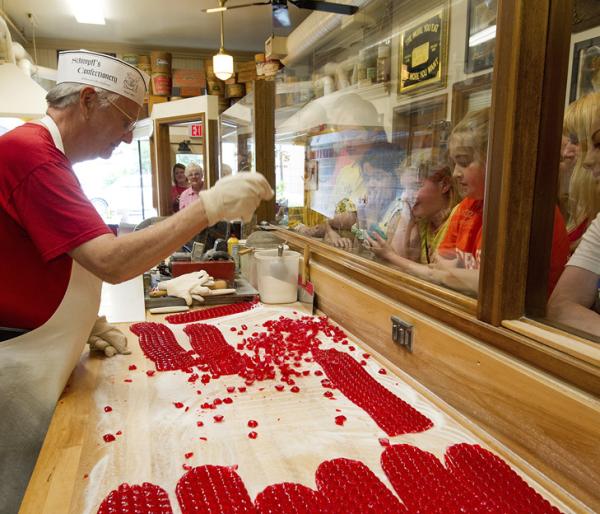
{"x":163,"y":180}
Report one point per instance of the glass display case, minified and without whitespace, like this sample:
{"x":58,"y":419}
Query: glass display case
{"x":418,"y":147}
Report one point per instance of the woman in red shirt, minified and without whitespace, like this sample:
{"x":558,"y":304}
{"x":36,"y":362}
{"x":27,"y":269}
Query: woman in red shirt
{"x":180,"y":184}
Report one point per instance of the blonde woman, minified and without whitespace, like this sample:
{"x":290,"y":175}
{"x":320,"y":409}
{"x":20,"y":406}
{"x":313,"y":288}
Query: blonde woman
{"x":584,"y":200}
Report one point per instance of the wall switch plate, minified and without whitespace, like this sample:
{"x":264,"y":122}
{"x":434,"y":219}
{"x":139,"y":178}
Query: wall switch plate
{"x":402,"y":333}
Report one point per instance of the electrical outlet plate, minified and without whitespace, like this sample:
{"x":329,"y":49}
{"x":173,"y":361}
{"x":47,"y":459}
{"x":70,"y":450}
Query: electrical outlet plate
{"x":402,"y":333}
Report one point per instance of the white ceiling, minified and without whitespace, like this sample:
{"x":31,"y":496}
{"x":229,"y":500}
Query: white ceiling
{"x":160,"y":23}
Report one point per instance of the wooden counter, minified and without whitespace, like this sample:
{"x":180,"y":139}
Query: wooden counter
{"x":76,"y":469}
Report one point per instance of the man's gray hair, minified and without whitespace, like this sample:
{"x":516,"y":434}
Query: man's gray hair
{"x":66,"y":94}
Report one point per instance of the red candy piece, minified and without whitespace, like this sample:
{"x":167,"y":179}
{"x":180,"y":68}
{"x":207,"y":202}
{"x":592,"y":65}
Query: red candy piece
{"x":340,"y":420}
{"x":119,"y":432}
{"x":108,"y":438}
{"x":252,"y":435}
{"x":295,"y":389}
{"x":231,"y":389}
{"x":228,"y":400}
{"x":208,"y":342}
{"x":392,"y":414}
{"x":160,"y":346}
{"x":178,"y":405}
{"x":474,"y":480}
{"x":139,"y":499}
{"x":289,"y":498}
{"x":108,"y":408}
{"x":218,"y":418}
{"x":150,"y":372}
{"x":213,"y":312}
{"x":132,"y":367}
{"x":189,"y":455}
{"x":213,"y":490}
{"x":383,"y":441}
{"x":128,"y":380}
{"x":382,"y":371}
{"x":252,"y":423}
{"x":348,"y":486}
{"x":279,"y":387}
{"x":199,"y":423}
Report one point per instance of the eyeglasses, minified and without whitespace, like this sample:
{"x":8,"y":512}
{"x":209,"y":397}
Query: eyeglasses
{"x":129,"y":126}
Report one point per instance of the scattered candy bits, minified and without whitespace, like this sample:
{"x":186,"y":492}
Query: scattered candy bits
{"x":252,"y":435}
{"x":108,"y":438}
{"x":340,"y":420}
{"x":108,"y":408}
{"x":252,"y":423}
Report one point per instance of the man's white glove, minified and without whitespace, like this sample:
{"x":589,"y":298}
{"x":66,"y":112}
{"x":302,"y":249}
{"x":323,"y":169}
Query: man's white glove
{"x":235,"y":197}
{"x":107,"y":338}
{"x":187,"y":286}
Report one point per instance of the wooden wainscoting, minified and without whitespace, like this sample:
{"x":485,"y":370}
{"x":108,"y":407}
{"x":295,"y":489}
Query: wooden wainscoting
{"x":553,"y":426}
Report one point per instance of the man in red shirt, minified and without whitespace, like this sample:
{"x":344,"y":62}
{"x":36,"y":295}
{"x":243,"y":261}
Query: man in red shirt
{"x":57,"y":250}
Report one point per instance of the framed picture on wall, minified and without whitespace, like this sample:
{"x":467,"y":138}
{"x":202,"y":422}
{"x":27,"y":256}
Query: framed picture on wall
{"x":481,"y":35}
{"x":585,"y":71}
{"x":420,"y":130}
{"x":423,"y":54}
{"x":469,"y":95}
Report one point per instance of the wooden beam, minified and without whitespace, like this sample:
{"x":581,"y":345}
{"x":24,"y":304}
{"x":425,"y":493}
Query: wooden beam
{"x":264,"y":141}
{"x":518,"y":86}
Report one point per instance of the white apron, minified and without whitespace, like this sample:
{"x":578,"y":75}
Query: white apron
{"x":34,"y":368}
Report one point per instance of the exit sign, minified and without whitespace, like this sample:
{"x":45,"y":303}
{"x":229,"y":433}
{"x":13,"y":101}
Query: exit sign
{"x":196,"y":130}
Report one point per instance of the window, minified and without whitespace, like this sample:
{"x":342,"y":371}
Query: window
{"x":575,"y":193}
{"x":120,"y":187}
{"x":388,"y":125}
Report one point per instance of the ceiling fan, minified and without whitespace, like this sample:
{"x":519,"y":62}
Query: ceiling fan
{"x":279,"y":8}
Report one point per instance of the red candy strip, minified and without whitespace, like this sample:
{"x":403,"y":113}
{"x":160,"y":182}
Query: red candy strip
{"x":136,"y":499}
{"x":474,"y":480}
{"x":213,"y":490}
{"x":159,"y":344}
{"x":348,"y":486}
{"x":289,"y":498}
{"x":208,"y":342}
{"x":486,"y":475}
{"x":213,"y":312}
{"x":392,"y":414}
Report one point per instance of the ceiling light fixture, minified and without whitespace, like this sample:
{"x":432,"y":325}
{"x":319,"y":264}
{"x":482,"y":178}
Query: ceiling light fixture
{"x":88,"y":11}
{"x":222,"y":62}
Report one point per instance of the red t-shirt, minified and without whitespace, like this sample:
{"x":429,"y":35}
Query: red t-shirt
{"x":43,"y":215}
{"x":463,"y":239}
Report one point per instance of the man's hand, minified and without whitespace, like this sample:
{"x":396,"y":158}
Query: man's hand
{"x":107,"y":338}
{"x":234,"y":197}
{"x":188,"y":286}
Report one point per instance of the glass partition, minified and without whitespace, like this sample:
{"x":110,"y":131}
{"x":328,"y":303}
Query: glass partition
{"x":237,"y":137}
{"x":381,"y":137}
{"x":574,"y":302}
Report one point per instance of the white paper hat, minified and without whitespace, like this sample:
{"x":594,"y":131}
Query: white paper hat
{"x":99,"y":70}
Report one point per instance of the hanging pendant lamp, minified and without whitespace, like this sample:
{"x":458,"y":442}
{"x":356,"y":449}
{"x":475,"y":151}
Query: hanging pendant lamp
{"x":222,"y":62}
